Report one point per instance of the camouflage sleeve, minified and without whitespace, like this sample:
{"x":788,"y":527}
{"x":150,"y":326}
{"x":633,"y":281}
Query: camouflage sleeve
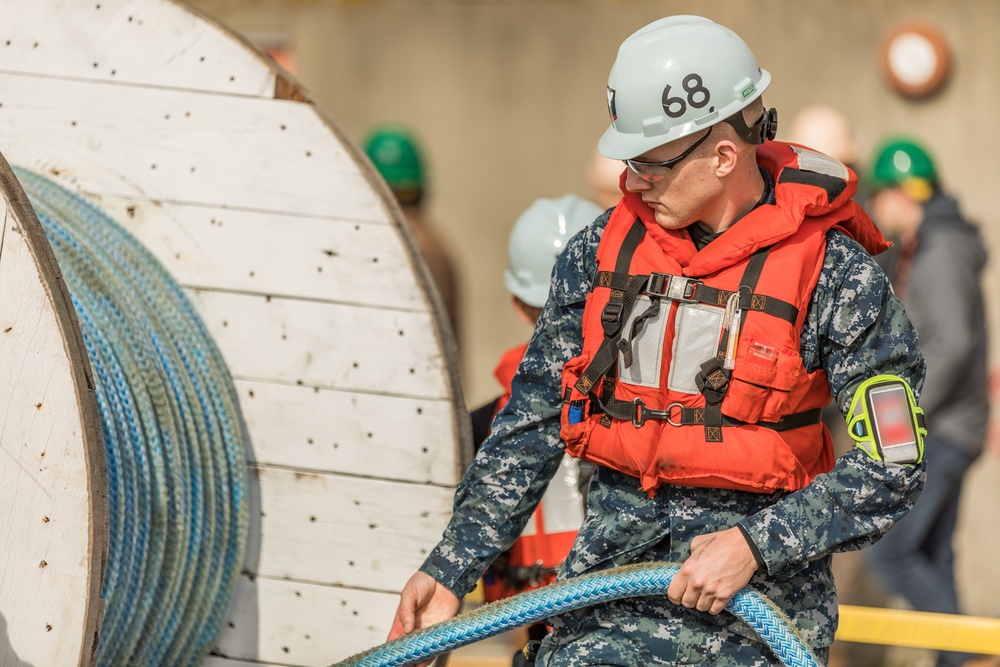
{"x":510,"y":473}
{"x":855,"y":329}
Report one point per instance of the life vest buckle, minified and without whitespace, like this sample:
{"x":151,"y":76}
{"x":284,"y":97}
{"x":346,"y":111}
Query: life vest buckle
{"x":642,"y":413}
{"x":675,"y":288}
{"x":530,"y":575}
{"x":611,"y":317}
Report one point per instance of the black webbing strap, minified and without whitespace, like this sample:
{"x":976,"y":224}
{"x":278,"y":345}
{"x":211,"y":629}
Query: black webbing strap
{"x":637,"y":324}
{"x":624,"y":291}
{"x":713,"y":296}
{"x":788,"y":423}
{"x":759,"y":302}
{"x":713,"y":381}
{"x":748,"y":283}
{"x":678,"y":415}
{"x":620,"y":281}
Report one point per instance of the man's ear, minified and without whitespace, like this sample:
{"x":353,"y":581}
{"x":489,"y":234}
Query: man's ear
{"x":727,"y":157}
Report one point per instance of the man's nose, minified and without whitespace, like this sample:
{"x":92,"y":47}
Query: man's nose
{"x":633,"y":183}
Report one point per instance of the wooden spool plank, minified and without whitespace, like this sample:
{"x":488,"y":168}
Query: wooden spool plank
{"x":54,"y":499}
{"x":289,"y":426}
{"x":330,"y":260}
{"x":183,"y":146}
{"x":326,"y":345}
{"x":332,"y":623}
{"x":180,"y":49}
{"x":358,"y":533}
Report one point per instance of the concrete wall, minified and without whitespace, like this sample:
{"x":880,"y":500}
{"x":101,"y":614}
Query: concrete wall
{"x":509,"y":100}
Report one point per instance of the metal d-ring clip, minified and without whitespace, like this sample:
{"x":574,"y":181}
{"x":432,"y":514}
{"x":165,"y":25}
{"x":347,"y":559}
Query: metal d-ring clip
{"x":671,"y":407}
{"x":638,"y":417}
{"x":642,"y":413}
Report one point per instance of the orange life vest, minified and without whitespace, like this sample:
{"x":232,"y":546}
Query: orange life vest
{"x":504,"y":373}
{"x":535,"y":557}
{"x":690,"y":372}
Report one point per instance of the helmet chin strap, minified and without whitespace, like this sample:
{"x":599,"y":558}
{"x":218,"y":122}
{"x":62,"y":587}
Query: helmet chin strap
{"x":763,"y":130}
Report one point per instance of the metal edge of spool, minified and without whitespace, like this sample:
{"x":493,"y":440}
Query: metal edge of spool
{"x":288,"y":88}
{"x":83,"y":382}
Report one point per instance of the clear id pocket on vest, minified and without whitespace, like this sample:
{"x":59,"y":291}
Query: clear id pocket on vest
{"x":697,"y":332}
{"x":647,"y":346}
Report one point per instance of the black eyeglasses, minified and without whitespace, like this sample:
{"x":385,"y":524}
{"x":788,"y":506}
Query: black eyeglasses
{"x":653,"y":171}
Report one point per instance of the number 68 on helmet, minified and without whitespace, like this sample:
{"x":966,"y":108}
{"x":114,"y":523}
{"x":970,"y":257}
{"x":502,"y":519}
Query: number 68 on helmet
{"x":677,"y":76}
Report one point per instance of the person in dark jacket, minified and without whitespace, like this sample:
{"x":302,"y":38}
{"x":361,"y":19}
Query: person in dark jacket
{"x":937,"y":277}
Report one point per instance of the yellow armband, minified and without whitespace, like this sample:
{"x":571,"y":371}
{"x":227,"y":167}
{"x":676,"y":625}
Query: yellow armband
{"x":885,"y":421}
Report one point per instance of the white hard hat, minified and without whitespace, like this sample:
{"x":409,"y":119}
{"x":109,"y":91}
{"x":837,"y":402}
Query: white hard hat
{"x":539,"y":235}
{"x":674,"y":77}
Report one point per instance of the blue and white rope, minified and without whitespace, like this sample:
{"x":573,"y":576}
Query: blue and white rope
{"x":173,"y":437}
{"x":628,"y":581}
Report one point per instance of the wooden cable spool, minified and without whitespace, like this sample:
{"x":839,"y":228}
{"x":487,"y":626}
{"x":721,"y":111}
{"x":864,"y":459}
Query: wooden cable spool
{"x":298,"y":261}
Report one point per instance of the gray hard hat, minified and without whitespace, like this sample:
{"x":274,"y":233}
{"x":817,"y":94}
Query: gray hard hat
{"x":539,"y":235}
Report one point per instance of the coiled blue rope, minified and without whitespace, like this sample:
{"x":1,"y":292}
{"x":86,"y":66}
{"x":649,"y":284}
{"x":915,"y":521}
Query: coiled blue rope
{"x":640,"y":579}
{"x":173,"y":437}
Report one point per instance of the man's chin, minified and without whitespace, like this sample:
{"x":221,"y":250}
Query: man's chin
{"x":667,"y":221}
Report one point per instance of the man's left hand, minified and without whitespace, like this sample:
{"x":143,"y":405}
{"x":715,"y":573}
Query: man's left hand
{"x":719,"y":566}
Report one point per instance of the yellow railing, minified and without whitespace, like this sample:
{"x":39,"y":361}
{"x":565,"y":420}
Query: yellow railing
{"x":919,"y":629}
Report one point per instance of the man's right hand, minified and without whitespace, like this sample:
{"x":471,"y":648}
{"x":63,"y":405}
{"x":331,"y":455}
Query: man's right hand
{"x":422,"y":603}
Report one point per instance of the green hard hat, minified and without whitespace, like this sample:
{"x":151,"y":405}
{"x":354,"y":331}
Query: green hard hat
{"x":394,"y":152}
{"x":901,"y":160}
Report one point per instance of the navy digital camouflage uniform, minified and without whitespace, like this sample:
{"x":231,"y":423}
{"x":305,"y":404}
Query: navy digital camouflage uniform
{"x":855,"y":329}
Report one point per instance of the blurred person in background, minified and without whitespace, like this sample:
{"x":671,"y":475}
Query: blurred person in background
{"x":604,"y":180}
{"x":827,"y":130}
{"x":397,"y":156}
{"x":937,"y":277}
{"x":538,"y":237}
